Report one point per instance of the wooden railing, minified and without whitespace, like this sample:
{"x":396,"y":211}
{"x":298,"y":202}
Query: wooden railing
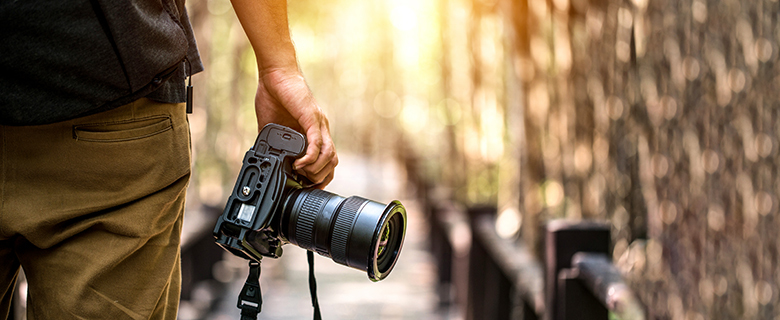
{"x":575,"y":278}
{"x":581,"y":282}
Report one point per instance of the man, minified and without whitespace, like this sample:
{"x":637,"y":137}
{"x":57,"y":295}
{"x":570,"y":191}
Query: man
{"x":94,"y":147}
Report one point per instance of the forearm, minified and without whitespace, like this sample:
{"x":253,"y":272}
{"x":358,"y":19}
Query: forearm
{"x":282,"y":94}
{"x":265,"y":24}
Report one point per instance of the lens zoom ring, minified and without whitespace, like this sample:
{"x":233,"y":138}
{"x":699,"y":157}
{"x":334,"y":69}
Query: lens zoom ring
{"x":304,"y":226}
{"x":343,"y":227}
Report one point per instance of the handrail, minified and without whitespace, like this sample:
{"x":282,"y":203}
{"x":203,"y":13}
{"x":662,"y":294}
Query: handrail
{"x":606,"y":283}
{"x":516,"y":261}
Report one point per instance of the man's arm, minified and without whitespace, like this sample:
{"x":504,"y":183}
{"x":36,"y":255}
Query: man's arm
{"x":282,"y":94}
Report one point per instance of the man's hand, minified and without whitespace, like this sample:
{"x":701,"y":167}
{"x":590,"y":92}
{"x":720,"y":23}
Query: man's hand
{"x":282,"y":95}
{"x":284,"y":98}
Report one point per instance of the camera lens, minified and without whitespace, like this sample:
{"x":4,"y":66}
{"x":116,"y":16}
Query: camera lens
{"x":356,"y":232}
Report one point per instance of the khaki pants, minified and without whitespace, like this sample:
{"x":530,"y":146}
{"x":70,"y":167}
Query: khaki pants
{"x":92,"y":211}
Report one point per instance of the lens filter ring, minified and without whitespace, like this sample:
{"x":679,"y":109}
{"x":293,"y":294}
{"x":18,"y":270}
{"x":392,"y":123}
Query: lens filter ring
{"x":388,"y":241}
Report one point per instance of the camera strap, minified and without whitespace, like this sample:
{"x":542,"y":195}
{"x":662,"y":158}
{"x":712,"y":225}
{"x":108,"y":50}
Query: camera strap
{"x":313,"y":286}
{"x":250,"y":299}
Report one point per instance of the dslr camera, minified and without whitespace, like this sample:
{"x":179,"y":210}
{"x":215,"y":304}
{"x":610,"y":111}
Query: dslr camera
{"x":271,"y":205}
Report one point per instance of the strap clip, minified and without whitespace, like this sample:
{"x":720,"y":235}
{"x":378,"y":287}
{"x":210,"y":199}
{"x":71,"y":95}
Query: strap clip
{"x":250,"y":299}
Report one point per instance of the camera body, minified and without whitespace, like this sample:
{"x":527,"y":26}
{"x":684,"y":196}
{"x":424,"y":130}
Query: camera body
{"x":271,"y":205}
{"x":249,"y":225}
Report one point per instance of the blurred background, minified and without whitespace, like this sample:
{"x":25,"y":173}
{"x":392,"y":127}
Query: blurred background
{"x":657,"y":118}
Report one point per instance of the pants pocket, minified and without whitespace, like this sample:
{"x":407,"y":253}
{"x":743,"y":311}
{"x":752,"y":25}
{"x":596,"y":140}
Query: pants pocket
{"x":123,"y":130}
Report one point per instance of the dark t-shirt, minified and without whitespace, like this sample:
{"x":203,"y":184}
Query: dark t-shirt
{"x":61,"y":60}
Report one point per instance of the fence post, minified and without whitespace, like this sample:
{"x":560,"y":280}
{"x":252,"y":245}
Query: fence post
{"x":442,"y":251}
{"x":562,"y":240}
{"x":505,"y":280}
{"x":489,"y":294}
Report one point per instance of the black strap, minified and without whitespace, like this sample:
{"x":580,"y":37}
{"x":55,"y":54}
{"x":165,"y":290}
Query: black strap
{"x":250,"y":299}
{"x":313,"y":286}
{"x":189,"y":85}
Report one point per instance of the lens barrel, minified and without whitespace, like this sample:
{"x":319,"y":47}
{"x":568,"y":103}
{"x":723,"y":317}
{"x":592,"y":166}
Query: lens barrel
{"x":356,"y":232}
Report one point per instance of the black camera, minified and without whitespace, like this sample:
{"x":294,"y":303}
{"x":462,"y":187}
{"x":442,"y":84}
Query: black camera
{"x":272,"y":205}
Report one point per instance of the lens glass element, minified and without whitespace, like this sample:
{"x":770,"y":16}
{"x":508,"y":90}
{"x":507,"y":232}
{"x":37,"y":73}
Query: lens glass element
{"x":384,"y":237}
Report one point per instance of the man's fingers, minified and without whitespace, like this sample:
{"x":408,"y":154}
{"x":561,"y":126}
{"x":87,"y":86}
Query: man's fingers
{"x":324,"y":166}
{"x":324,"y":176}
{"x":312,"y":151}
{"x":326,"y":153}
{"x":325,"y":181}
